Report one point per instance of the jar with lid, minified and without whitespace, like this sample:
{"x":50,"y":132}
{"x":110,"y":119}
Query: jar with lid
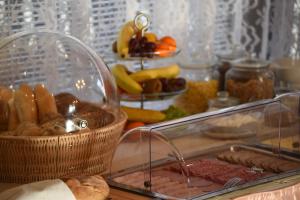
{"x":286,"y":71}
{"x":250,"y":80}
{"x":202,"y":85}
{"x":224,"y":63}
{"x":223,"y":100}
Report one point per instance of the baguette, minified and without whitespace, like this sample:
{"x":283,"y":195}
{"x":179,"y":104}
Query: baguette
{"x":4,"y":114}
{"x":25,"y":104}
{"x":45,"y":103}
{"x":13,"y":120}
{"x":5,"y":94}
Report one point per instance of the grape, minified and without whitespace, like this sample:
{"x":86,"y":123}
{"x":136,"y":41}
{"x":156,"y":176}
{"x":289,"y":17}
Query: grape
{"x":144,"y":40}
{"x":152,"y":45}
{"x":139,"y":46}
{"x":132,"y":42}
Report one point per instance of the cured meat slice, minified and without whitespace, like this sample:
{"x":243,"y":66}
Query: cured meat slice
{"x":200,"y":182}
{"x":266,"y":162}
{"x":220,"y":172}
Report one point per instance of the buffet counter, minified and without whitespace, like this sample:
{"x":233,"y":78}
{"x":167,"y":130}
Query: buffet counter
{"x":204,"y":143}
{"x":292,"y":183}
{"x":116,"y":194}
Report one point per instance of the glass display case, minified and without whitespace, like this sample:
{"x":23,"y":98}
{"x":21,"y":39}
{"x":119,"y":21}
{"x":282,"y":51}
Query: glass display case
{"x":209,"y":154}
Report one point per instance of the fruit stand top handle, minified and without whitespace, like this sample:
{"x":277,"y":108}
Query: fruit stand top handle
{"x":142,"y":21}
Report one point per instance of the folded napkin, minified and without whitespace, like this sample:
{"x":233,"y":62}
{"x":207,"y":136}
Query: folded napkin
{"x":43,"y":190}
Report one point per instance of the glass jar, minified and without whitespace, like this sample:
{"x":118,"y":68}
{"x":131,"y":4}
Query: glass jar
{"x":286,"y":71}
{"x":202,"y":85}
{"x":223,"y":100}
{"x":224,"y":63}
{"x":250,"y":80}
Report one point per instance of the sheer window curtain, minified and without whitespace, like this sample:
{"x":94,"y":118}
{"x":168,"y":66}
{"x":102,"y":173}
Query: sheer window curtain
{"x":269,"y":28}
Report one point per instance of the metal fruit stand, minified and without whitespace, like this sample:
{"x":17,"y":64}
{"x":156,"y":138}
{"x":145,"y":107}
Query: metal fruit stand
{"x":142,"y":23}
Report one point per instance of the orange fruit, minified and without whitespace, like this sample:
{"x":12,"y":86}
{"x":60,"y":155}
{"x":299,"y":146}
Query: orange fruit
{"x":168,"y":40}
{"x":132,"y":125}
{"x":164,"y":50}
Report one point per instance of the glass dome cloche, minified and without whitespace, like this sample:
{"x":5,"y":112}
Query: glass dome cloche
{"x":55,"y":94}
{"x":59,"y":65}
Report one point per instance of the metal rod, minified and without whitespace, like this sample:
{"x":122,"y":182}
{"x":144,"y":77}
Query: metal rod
{"x":142,"y":95}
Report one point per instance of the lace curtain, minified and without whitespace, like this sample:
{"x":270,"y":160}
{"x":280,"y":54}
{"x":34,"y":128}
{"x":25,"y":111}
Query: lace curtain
{"x":203,"y":28}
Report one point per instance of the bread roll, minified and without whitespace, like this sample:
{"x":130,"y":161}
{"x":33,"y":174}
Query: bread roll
{"x":45,"y":102}
{"x":4,"y":113}
{"x":89,"y":188}
{"x":25,"y":104}
{"x":63,"y":102}
{"x":50,"y":117}
{"x":13,"y":120}
{"x":8,"y":133}
{"x":54,"y":127}
{"x":5,"y":93}
{"x":28,"y":129}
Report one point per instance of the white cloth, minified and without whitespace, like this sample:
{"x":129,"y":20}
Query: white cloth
{"x":43,"y":190}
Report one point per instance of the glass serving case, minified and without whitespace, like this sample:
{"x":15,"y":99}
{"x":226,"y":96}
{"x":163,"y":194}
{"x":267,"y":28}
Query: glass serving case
{"x":210,"y":154}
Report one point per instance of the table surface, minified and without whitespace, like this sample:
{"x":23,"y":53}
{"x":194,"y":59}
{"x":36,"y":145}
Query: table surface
{"x":201,"y":144}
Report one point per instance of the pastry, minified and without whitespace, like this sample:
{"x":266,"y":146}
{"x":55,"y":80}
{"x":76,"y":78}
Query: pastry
{"x":5,"y":93}
{"x":28,"y":129}
{"x":25,"y":104}
{"x":45,"y":102}
{"x":85,"y":107}
{"x":8,"y":133}
{"x":64,"y":101}
{"x":3,"y":115}
{"x":50,"y":117}
{"x":89,"y":188}
{"x":53,"y":130}
{"x":55,"y":126}
{"x":5,"y":96}
{"x":13,"y":120}
{"x":94,"y":115}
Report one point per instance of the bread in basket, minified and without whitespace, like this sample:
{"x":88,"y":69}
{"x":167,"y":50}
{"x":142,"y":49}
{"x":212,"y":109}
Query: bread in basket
{"x":60,"y":113}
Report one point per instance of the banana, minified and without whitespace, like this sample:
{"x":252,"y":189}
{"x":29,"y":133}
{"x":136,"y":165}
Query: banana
{"x":125,"y":34}
{"x":124,"y":81}
{"x":141,"y":115}
{"x":162,"y":72}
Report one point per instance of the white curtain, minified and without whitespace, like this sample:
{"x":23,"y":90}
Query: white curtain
{"x":269,"y":28}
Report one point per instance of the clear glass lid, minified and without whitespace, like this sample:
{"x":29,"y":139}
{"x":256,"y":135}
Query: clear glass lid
{"x":187,"y":158}
{"x":52,"y":80}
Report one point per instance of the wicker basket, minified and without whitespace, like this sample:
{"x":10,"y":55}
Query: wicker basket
{"x":28,"y":159}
